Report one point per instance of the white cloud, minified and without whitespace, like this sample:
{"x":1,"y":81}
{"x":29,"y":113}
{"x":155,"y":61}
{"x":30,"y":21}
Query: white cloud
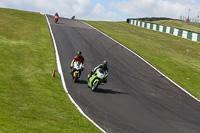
{"x":82,"y":9}
{"x":116,"y":11}
{"x":66,"y":8}
{"x":101,"y":13}
{"x":157,"y":8}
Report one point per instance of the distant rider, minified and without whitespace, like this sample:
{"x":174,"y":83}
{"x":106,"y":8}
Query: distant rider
{"x":56,"y":14}
{"x":78,"y":57}
{"x":104,"y":66}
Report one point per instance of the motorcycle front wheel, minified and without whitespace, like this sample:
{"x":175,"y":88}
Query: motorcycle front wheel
{"x":95,"y":85}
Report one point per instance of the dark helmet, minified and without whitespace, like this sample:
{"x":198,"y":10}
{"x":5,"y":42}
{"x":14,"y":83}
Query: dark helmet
{"x":104,"y":63}
{"x":79,"y":54}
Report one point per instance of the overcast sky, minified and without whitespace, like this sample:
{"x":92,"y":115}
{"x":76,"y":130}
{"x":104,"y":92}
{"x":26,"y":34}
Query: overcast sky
{"x":108,"y":10}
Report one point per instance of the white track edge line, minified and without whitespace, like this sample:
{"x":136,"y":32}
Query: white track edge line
{"x":144,"y":61}
{"x":63,"y":81}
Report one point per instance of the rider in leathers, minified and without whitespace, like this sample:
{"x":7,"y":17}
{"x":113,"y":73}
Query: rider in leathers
{"x":78,"y":57}
{"x":103,"y":66}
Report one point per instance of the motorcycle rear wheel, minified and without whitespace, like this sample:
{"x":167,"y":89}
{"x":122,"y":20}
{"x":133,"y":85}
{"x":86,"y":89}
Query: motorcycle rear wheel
{"x":75,"y":77}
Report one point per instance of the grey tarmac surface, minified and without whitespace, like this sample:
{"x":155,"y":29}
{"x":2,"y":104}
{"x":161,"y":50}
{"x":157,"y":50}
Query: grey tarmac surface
{"x":136,"y":99}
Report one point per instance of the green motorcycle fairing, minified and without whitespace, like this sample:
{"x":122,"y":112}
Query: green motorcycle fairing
{"x":97,"y":77}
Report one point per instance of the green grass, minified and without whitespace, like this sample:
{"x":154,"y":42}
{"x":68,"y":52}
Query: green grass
{"x":179,"y":24}
{"x":176,"y":57}
{"x":31,"y":100}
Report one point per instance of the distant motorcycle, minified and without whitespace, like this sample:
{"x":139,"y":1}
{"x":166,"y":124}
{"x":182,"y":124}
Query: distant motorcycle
{"x":56,"y":18}
{"x":97,"y":78}
{"x":77,"y":68}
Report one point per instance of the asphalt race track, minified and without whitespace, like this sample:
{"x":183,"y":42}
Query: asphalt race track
{"x":136,"y":99}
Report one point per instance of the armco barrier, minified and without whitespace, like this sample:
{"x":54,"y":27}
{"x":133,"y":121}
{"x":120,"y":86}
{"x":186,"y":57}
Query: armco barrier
{"x":198,"y":38}
{"x":170,"y":30}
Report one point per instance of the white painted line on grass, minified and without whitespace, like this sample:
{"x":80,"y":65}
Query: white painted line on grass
{"x":145,"y":61}
{"x":63,"y":81}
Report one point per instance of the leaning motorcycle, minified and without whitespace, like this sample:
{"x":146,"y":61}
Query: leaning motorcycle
{"x":97,"y":78}
{"x":77,"y":68}
{"x":56,"y":18}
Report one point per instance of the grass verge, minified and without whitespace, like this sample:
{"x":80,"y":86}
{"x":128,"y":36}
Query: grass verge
{"x":31,"y":100}
{"x":179,"y":24}
{"x":176,"y":57}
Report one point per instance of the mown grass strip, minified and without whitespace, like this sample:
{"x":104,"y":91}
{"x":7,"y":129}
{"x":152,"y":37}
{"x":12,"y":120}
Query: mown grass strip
{"x":176,"y":57}
{"x":195,"y":27}
{"x":31,"y":100}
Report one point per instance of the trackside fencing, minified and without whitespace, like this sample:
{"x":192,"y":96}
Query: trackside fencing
{"x":174,"y":31}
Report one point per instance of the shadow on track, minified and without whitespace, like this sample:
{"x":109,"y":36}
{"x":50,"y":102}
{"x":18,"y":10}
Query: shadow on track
{"x":81,"y":82}
{"x":59,"y":23}
{"x":109,"y":91}
{"x":100,"y":90}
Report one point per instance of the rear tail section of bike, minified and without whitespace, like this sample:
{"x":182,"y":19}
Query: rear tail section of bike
{"x":76,"y":75}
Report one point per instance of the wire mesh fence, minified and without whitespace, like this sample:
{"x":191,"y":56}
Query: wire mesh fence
{"x":191,"y":21}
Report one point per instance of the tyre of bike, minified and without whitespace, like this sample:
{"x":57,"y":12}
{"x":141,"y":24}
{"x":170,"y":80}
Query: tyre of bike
{"x":95,"y":85}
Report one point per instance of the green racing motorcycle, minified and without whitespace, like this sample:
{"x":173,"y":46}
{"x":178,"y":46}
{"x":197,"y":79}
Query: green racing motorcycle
{"x":97,"y":78}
